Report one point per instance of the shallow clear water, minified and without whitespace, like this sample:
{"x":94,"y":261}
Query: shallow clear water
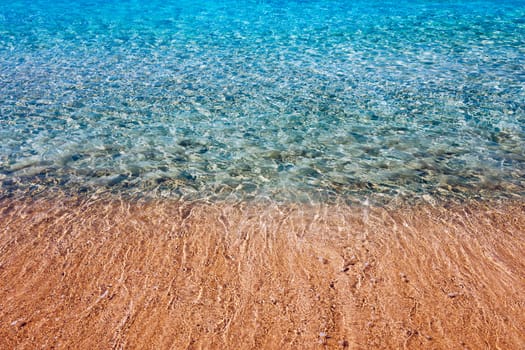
{"x":283,"y":99}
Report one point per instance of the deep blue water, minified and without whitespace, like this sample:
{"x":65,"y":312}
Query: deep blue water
{"x":283,"y":99}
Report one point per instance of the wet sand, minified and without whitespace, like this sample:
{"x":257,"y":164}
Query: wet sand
{"x":116,"y":274}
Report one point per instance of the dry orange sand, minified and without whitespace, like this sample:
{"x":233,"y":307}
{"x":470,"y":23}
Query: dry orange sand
{"x":112,"y":274}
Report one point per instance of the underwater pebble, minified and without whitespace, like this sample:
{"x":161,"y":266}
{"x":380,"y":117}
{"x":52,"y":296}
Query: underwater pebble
{"x":313,"y":118}
{"x":404,"y":277}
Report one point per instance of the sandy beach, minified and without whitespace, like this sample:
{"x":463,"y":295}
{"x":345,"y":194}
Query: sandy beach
{"x":291,"y":174}
{"x":102,"y":273}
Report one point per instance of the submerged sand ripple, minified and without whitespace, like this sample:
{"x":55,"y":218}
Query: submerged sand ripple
{"x":108,"y":273}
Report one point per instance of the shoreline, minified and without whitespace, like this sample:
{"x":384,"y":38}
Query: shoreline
{"x":110,"y":273}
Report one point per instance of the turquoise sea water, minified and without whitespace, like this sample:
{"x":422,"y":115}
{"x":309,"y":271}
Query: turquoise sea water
{"x":281,"y":99}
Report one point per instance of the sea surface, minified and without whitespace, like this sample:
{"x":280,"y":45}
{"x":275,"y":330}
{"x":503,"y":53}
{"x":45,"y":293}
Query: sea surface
{"x":288,"y":100}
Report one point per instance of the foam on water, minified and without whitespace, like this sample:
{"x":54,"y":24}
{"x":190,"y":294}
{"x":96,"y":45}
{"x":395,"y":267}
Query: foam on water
{"x":285,"y":99}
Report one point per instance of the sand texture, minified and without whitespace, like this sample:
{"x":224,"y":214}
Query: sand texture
{"x":118,"y":274}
